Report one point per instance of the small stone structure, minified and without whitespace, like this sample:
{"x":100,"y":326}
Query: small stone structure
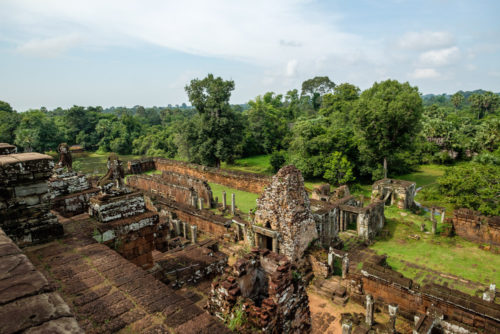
{"x":391,"y":191}
{"x":283,"y":220}
{"x":25,"y":199}
{"x":473,"y":226}
{"x":28,"y":302}
{"x":70,"y":191}
{"x":262,"y":286}
{"x":6,"y":149}
{"x":334,"y":217}
{"x":127,"y":225}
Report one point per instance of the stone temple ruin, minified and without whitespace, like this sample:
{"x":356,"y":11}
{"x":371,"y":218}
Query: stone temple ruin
{"x":398,"y":192}
{"x":283,"y":221}
{"x":160,"y":254}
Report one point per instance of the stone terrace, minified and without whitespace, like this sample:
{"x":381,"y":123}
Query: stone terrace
{"x":109,"y":294}
{"x":28,"y":303}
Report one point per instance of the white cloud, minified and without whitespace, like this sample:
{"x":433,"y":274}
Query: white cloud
{"x":440,"y":57}
{"x":49,"y":47}
{"x":291,"y":68}
{"x":254,"y":31}
{"x":426,"y":40}
{"x":425,"y":73}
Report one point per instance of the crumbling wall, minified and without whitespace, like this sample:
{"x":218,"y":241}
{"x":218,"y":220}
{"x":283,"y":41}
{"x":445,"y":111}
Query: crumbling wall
{"x":25,"y":199}
{"x":158,"y":185}
{"x":205,"y":220}
{"x":262,"y":285}
{"x":327,"y":218}
{"x":250,"y":182}
{"x":473,"y":226}
{"x":371,"y":220}
{"x":28,"y":302}
{"x":284,"y":207}
{"x":140,"y":166}
{"x":390,"y":287}
{"x":132,"y":237}
{"x":201,"y":187}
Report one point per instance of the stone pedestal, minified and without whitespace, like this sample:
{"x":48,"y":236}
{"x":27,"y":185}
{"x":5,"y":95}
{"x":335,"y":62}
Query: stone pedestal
{"x":224,"y":204}
{"x":126,"y":225}
{"x":70,"y":192}
{"x":25,"y":199}
{"x":106,"y":208}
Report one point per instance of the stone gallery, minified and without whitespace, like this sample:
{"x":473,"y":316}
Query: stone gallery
{"x":161,"y":254}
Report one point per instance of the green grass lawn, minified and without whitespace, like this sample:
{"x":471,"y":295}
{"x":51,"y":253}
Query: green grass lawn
{"x":454,"y":255}
{"x":425,"y":175}
{"x":245,"y":201}
{"x":257,"y":164}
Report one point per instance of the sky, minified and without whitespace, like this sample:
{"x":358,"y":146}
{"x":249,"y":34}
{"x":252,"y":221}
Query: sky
{"x":59,"y":53}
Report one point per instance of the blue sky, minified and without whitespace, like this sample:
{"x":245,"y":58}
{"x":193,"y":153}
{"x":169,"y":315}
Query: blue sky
{"x":127,"y":52}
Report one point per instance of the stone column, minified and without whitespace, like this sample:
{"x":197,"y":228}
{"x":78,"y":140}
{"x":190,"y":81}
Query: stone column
{"x":393,"y":310}
{"x":200,"y":203}
{"x":256,"y":237}
{"x":345,"y":266}
{"x":434,"y":221}
{"x":194,"y":200}
{"x":341,"y":224}
{"x":194,"y":229}
{"x":275,"y":245}
{"x":224,"y":200}
{"x":370,"y":305}
{"x":331,"y":259}
{"x":233,"y":204}
{"x":443,"y":212}
{"x":184,"y":230}
{"x":177,"y":228}
{"x":346,"y":327}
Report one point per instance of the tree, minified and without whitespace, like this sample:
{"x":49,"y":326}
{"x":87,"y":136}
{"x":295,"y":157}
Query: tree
{"x":277,"y":160}
{"x":27,"y":139}
{"x":484,"y":103}
{"x":210,"y":94}
{"x":457,"y":99}
{"x":217,"y":128}
{"x":338,"y":170}
{"x":315,"y":88}
{"x":387,"y":119}
{"x":474,"y":186}
{"x":9,"y":120}
{"x":266,"y":124}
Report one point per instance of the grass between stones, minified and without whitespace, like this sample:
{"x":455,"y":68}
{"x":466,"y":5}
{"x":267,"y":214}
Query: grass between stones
{"x":433,"y":258}
{"x":245,"y":201}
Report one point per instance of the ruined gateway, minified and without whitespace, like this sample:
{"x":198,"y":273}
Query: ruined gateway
{"x":162,"y":255}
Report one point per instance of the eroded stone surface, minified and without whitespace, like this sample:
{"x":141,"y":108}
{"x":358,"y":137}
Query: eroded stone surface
{"x":27,"y":299}
{"x":107,"y":293}
{"x":284,"y":207}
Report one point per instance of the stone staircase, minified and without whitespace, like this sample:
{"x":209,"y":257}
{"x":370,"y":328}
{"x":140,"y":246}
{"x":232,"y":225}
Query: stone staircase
{"x":331,"y":289}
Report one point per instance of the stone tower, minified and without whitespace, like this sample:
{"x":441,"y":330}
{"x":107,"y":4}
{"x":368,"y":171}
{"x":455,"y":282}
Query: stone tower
{"x":284,"y":208}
